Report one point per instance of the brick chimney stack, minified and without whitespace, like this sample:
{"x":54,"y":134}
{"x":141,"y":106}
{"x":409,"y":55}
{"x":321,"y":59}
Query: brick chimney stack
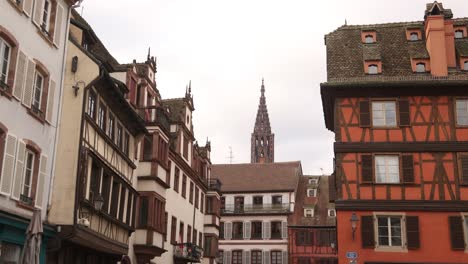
{"x":440,"y":38}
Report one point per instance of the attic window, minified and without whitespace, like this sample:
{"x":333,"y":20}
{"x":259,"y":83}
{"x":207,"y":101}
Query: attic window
{"x":373,"y":69}
{"x":465,"y":65}
{"x":311,"y":192}
{"x":313,"y":181}
{"x":414,"y":36}
{"x":369,"y":39}
{"x":308,"y":212}
{"x":331,"y":213}
{"x":459,"y":34}
{"x":421,"y":67}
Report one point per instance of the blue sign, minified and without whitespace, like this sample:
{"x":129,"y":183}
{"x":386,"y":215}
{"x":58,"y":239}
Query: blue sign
{"x":351,"y":255}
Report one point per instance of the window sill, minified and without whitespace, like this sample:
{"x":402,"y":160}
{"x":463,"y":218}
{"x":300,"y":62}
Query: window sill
{"x":6,"y":92}
{"x":38,"y":116}
{"x":26,"y":206}
{"x":16,"y":7}
{"x":391,"y":249}
{"x":46,"y":36}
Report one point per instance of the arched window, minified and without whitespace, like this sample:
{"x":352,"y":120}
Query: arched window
{"x":459,"y":34}
{"x":369,"y":39}
{"x":465,"y":65}
{"x":420,"y":67}
{"x":373,"y":69}
{"x":414,"y":36}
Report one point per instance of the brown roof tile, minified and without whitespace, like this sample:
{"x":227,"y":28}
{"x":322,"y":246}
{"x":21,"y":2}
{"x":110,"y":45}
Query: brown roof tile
{"x":252,"y":177}
{"x":461,"y":45}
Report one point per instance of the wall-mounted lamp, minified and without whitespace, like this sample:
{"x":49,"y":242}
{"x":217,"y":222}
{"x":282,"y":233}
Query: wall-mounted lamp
{"x":354,"y":221}
{"x":98,"y":202}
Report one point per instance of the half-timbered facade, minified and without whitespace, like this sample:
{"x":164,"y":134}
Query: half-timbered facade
{"x":396,"y":99}
{"x":256,"y":201}
{"x":312,"y":226}
{"x":32,"y":46}
{"x":94,"y":192}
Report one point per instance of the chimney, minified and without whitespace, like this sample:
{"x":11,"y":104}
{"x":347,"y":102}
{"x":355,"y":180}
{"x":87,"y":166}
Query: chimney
{"x":440,"y":39}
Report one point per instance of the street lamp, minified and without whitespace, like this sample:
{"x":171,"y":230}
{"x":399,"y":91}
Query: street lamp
{"x":98,"y":202}
{"x":354,"y":221}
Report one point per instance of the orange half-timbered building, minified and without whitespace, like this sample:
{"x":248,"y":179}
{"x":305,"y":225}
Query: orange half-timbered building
{"x":397,"y":100}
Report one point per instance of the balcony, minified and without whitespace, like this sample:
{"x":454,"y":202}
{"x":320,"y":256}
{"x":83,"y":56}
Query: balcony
{"x":187,"y":252}
{"x":257,"y":209}
{"x":154,"y":115}
{"x":214,"y":185}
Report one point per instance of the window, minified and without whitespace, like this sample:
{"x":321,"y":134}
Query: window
{"x":277,"y":199}
{"x":465,"y":65}
{"x":191,"y":192}
{"x":304,"y":238}
{"x":308,"y":212}
{"x":173,"y":230}
{"x":237,"y":257}
{"x":256,"y":229}
{"x":189,"y":233}
{"x":207,"y":247}
{"x":186,"y":147}
{"x":122,"y":202}
{"x":373,"y":69}
{"x":184,"y":186}
{"x":126,"y":143}
{"x":143,"y":217}
{"x":102,"y":116}
{"x":91,"y":110}
{"x":276,"y":230}
{"x":5,"y":53}
{"x":176,"y":179}
{"x":311,"y":192}
{"x":181,"y":232}
{"x":95,"y":180}
{"x":111,"y":129}
{"x":256,"y":257}
{"x":387,"y":169}
{"x":106,"y":182}
{"x":239,"y":204}
{"x":369,"y":39}
{"x":119,"y":136}
{"x":384,"y":114}
{"x":130,"y":203}
{"x":221,"y":230}
{"x":420,"y":67}
{"x":202,"y":201}
{"x":414,"y":36}
{"x":27,"y":178}
{"x":148,"y":148}
{"x":166,"y":221}
{"x":258,"y":200}
{"x":220,"y":259}
{"x":313,"y":181}
{"x":389,"y":231}
{"x":237,"y":230}
{"x":458,"y":34}
{"x":10,"y":253}
{"x":331,"y":213}
{"x":276,"y":257}
{"x":37,"y":93}
{"x":223,"y":202}
{"x":45,"y":15}
{"x":114,"y":199}
{"x":462,"y":112}
{"x":196,"y":197}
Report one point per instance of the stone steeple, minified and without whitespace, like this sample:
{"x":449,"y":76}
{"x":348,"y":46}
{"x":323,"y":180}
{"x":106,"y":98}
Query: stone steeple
{"x":262,"y":140}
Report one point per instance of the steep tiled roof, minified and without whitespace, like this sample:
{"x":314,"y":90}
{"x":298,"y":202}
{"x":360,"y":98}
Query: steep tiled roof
{"x":278,"y":176}
{"x":461,"y":46}
{"x":176,"y":108}
{"x":320,"y":204}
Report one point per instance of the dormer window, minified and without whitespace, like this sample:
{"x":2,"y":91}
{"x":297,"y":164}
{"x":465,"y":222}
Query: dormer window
{"x":311,"y":192}
{"x":465,"y":65}
{"x":368,"y":36}
{"x":308,"y":212}
{"x":459,"y":34}
{"x":414,"y":36}
{"x":421,"y":67}
{"x":369,"y":39}
{"x":373,"y":69}
{"x":313,"y":181}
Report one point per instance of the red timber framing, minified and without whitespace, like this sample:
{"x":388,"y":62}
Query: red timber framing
{"x":315,"y":245}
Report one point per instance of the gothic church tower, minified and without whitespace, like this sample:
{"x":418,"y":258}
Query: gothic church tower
{"x":262,"y":141}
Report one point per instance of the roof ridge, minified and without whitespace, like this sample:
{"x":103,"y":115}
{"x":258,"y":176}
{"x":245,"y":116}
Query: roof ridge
{"x":261,"y":164}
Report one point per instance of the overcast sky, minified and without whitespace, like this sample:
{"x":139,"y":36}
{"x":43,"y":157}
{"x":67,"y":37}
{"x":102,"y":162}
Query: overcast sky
{"x":226,"y":47}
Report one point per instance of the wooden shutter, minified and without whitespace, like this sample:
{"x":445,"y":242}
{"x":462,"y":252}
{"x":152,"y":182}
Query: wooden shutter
{"x":364,"y":114}
{"x":367,"y":168}
{"x":266,"y":230}
{"x":285,"y":257}
{"x":464,"y":167}
{"x":247,"y":230}
{"x":266,"y":257}
{"x":50,"y":102}
{"x":18,"y":179}
{"x":227,"y":257}
{"x":40,"y":181}
{"x":58,"y":25}
{"x":456,"y":233}
{"x":7,"y":176}
{"x":19,"y":76}
{"x":412,"y":232}
{"x":404,"y":110}
{"x":38,"y":10}
{"x":246,"y":257}
{"x":367,"y":231}
{"x":27,"y":7}
{"x":227,"y":231}
{"x":284,"y":230}
{"x":28,"y":88}
{"x":408,"y":168}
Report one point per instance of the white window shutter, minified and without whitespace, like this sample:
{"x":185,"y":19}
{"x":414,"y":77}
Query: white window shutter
{"x":285,"y":257}
{"x":38,"y":11}
{"x":40,"y":181}
{"x":227,"y":231}
{"x":27,"y":7}
{"x":19,"y":76}
{"x":246,"y":257}
{"x":227,"y":257}
{"x":50,"y":102}
{"x":247,"y":228}
{"x":28,"y":88}
{"x":7,"y":176}
{"x":266,"y":230}
{"x":284,"y":230}
{"x":58,"y":25}
{"x":266,"y":257}
{"x":19,"y":170}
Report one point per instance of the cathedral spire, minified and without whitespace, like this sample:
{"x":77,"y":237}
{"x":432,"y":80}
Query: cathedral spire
{"x":262,"y":140}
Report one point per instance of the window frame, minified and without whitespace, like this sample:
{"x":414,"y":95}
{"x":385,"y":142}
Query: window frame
{"x":412,"y":34}
{"x":253,"y":234}
{"x":91,"y":104}
{"x":368,"y":37}
{"x":465,"y":101}
{"x":237,"y":235}
{"x":314,"y":191}
{"x":46,"y":15}
{"x":28,"y":153}
{"x":373,"y":66}
{"x":378,"y":246}
{"x":313,"y":181}
{"x":102,"y":116}
{"x":279,"y":226}
{"x":238,"y":257}
{"x":258,"y":258}
{"x":330,"y":214}
{"x":309,"y":209}
{"x":3,"y":45}
{"x":383,"y":102}
{"x":459,"y":31}
{"x":37,"y":89}
{"x":381,"y":155}
{"x":275,"y":200}
{"x":276,"y":257}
